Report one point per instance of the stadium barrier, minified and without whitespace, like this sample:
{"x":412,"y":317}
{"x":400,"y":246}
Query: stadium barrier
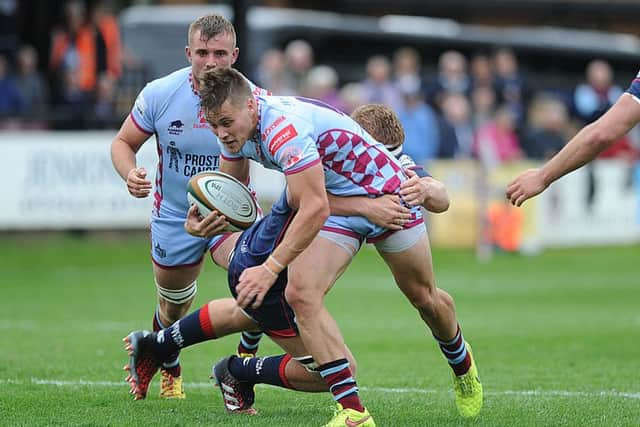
{"x":65,"y":180}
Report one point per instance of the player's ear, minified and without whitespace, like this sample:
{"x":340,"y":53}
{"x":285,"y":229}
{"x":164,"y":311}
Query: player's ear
{"x":251,"y":104}
{"x":187,"y":53}
{"x":234,"y":55}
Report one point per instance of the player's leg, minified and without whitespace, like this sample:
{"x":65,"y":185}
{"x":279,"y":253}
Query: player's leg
{"x":150,"y":350}
{"x":326,"y":257}
{"x":220,"y":249}
{"x":177,"y":260}
{"x":408,"y":254}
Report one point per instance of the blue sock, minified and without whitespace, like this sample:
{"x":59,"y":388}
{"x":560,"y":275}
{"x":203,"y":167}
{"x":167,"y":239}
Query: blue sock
{"x":261,"y":370}
{"x":192,"y":329}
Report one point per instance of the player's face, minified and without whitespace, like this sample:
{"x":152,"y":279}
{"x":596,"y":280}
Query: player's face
{"x":234,"y":125}
{"x":218,"y":51}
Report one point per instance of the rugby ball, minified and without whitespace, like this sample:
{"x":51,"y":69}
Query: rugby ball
{"x":224,"y":193}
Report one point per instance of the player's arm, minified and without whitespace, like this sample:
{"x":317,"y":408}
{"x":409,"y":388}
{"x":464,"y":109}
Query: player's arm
{"x":424,"y":191}
{"x":385,"y":211}
{"x":581,"y":149}
{"x":308,"y":196}
{"x":124,"y":147}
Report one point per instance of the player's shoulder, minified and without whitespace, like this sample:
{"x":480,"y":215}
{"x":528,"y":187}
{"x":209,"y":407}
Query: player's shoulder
{"x":169,"y":84}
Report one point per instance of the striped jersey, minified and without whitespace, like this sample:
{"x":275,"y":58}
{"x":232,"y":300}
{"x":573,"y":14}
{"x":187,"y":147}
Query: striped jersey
{"x":295,"y":133}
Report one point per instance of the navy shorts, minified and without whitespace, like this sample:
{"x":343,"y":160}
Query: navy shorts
{"x":274,"y":316}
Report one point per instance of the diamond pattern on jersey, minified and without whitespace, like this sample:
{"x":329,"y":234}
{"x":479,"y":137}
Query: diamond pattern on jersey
{"x":352,"y":157}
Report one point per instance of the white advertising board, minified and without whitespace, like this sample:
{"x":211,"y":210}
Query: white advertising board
{"x":65,"y":180}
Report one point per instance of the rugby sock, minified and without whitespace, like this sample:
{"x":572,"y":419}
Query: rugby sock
{"x":191,"y":329}
{"x":342,"y":385}
{"x":172,"y":364}
{"x":249,"y":342}
{"x":261,"y":370}
{"x":455,"y":351}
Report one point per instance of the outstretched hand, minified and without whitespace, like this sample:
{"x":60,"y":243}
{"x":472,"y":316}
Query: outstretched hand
{"x":528,"y":184}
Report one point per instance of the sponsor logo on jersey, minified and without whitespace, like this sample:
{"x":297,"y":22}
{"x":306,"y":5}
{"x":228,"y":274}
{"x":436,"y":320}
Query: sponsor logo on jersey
{"x":272,"y":126}
{"x":201,"y":121}
{"x":175,"y":127}
{"x":281,"y":138}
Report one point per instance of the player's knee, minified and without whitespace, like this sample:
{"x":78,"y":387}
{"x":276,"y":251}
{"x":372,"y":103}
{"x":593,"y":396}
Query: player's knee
{"x":299,"y":298}
{"x":174,"y":303}
{"x":423,"y":299}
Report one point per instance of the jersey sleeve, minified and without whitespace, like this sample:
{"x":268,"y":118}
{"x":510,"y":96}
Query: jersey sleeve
{"x":290,"y":143}
{"x":143,"y":111}
{"x":634,"y":88}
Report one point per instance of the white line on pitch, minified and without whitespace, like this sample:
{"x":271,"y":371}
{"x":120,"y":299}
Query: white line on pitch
{"x":541,"y":393}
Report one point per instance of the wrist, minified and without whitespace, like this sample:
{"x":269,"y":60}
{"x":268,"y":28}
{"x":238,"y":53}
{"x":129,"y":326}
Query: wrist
{"x":273,"y":265}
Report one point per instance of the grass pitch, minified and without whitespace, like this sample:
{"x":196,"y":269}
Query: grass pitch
{"x":556,"y":338}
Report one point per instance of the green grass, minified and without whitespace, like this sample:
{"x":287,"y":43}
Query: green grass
{"x":555,"y":336}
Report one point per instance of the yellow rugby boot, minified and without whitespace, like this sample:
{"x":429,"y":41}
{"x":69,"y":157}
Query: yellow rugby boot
{"x":351,"y":418}
{"x":468,"y":390}
{"x":170,"y":386}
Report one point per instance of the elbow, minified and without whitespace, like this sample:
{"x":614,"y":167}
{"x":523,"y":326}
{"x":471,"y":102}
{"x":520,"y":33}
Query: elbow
{"x":601,"y":137}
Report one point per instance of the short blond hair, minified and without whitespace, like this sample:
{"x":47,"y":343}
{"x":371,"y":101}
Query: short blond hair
{"x":210,"y":26}
{"x":381,"y":122}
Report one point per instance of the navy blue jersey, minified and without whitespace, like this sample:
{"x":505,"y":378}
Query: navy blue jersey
{"x":634,"y":88}
{"x":253,"y":248}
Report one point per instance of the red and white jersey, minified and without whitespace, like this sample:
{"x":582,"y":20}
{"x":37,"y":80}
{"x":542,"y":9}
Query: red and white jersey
{"x":295,"y":133}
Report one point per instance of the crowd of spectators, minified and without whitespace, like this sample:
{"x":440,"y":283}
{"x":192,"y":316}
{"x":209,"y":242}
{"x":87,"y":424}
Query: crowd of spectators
{"x":482,"y":106}
{"x":78,"y":86}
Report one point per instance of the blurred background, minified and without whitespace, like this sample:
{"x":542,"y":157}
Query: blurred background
{"x":483,"y":93}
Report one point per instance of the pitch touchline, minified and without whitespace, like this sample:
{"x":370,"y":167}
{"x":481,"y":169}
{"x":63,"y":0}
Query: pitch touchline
{"x":542,"y":393}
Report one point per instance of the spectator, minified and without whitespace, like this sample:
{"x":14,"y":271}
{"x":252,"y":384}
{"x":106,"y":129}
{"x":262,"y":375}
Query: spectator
{"x":456,"y":111}
{"x":377,"y":87}
{"x":452,"y":77}
{"x":73,"y":50}
{"x":299,"y":60}
{"x":481,"y":71}
{"x":406,"y":62}
{"x":547,"y":128}
{"x":509,"y":84}
{"x":351,"y":97}
{"x":419,"y":120}
{"x":271,"y":73}
{"x":591,"y":100}
{"x":497,"y":142}
{"x":598,"y":94}
{"x":483,"y":103}
{"x":32,"y":87}
{"x":322,"y":84}
{"x":108,"y":32}
{"x":11,"y":103}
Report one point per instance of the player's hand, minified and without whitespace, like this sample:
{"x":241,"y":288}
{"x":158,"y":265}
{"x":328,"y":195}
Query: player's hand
{"x":414,"y":191}
{"x":253,"y":285}
{"x":528,"y":184}
{"x":387,"y":211}
{"x":209,"y":226}
{"x":137,"y":183}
